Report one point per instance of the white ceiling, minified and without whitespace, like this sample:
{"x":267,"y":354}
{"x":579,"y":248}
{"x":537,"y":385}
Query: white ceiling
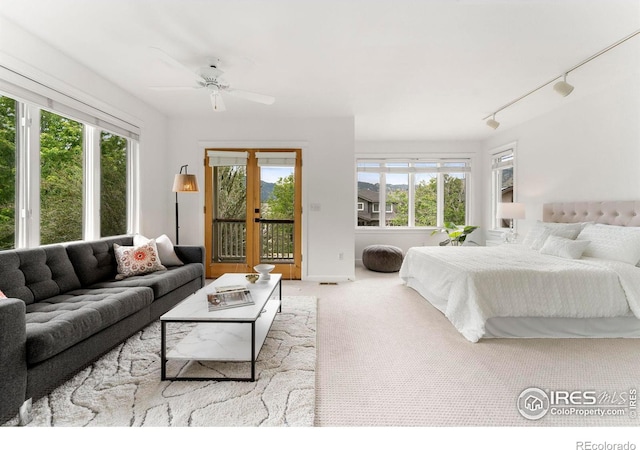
{"x":405,"y":69}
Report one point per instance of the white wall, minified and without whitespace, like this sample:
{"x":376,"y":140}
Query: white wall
{"x":407,"y":238}
{"x":34,"y":58}
{"x":588,"y":149}
{"x":327,"y":180}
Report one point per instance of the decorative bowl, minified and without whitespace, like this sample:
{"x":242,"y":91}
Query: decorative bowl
{"x":252,"y":277}
{"x":264,"y":270}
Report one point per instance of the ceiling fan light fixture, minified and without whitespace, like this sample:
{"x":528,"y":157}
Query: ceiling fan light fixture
{"x":562,"y":87}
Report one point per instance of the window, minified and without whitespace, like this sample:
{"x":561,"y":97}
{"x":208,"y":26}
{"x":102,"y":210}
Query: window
{"x":7,"y":172}
{"x":360,"y":206}
{"x":61,"y":179}
{"x":416,"y":193}
{"x":58,"y":183}
{"x":502,"y":180}
{"x":113,"y":184}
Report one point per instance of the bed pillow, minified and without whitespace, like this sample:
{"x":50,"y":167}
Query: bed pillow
{"x":537,"y":236}
{"x":164,"y":245}
{"x":612,"y":242}
{"x":563,"y":247}
{"x":137,"y":260}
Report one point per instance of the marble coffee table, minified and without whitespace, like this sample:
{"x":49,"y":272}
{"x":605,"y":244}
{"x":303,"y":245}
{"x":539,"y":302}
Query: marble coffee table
{"x":232,"y":335}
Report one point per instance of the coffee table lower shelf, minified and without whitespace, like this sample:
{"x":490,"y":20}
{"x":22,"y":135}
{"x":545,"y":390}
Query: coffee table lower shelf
{"x":220,"y":340}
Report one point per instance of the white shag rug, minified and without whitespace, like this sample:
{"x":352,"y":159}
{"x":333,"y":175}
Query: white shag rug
{"x":123,"y":388}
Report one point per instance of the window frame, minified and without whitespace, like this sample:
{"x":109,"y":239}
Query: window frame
{"x":436,"y":165}
{"x":496,"y":154}
{"x":27,"y":179}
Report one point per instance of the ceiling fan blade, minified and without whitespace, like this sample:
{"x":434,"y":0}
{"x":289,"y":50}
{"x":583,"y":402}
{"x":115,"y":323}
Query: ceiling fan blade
{"x":252,"y":96}
{"x":174,"y":88}
{"x":216,"y":102}
{"x":175,"y":63}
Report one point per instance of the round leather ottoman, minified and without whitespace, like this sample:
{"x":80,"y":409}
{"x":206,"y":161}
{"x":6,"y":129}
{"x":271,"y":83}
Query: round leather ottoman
{"x":382,"y":258}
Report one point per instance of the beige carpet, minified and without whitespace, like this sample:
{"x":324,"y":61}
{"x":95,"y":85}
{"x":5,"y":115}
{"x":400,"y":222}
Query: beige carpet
{"x":123,"y":388}
{"x":386,"y":357}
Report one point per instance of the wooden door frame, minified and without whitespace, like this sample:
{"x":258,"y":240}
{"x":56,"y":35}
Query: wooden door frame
{"x":288,"y":271}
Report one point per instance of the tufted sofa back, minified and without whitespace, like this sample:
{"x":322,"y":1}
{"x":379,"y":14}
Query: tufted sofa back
{"x":94,"y":261}
{"x":37,"y":273}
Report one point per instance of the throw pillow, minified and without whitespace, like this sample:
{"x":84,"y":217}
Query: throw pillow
{"x":537,"y":236}
{"x":137,"y":260}
{"x":564,"y":247}
{"x":164,"y":245}
{"x":612,"y":242}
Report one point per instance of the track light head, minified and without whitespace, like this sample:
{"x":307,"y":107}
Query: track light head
{"x":562,"y":87}
{"x":493,"y":123}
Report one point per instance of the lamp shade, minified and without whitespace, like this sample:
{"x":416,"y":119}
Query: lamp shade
{"x":510,"y":211}
{"x":185,"y":182}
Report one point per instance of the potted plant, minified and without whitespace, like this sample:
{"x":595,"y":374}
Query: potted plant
{"x":457,"y":234}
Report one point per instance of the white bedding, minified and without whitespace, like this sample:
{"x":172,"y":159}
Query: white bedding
{"x":473,"y":284}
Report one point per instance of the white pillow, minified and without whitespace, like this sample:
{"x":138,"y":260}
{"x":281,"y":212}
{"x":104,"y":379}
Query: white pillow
{"x":537,"y":236}
{"x":166,"y":252}
{"x":612,"y":242}
{"x":563,"y":247}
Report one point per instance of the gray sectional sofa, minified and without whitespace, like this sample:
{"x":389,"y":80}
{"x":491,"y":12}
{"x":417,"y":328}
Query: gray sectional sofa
{"x":64,"y":309}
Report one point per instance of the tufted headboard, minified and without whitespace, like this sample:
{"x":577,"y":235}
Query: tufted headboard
{"x":622,"y":213}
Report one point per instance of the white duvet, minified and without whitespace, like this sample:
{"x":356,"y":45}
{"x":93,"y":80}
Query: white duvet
{"x":472,"y":284}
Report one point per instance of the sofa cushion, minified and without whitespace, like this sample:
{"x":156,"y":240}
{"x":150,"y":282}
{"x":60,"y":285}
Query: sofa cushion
{"x":95,"y":261}
{"x":37,"y":273}
{"x":64,"y":320}
{"x":161,"y":282}
{"x":165,"y":247}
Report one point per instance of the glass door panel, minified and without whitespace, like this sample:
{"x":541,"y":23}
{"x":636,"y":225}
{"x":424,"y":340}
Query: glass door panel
{"x":277,"y":214}
{"x":230,"y":214}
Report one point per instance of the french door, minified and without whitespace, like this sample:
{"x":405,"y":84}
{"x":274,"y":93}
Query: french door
{"x":253,"y":211}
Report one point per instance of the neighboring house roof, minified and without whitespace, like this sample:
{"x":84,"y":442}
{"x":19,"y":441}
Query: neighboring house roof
{"x":368,"y":195}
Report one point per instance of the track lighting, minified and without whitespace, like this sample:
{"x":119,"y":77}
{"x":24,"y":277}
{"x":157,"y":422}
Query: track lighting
{"x":562,"y":87}
{"x":493,"y":123}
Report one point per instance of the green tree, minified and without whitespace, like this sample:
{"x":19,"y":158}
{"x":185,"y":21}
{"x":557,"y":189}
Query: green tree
{"x":425,"y":202}
{"x":61,"y":179}
{"x":454,"y":199}
{"x":113,"y":184}
{"x":7,"y":172}
{"x":280,"y":204}
{"x":231,"y":192}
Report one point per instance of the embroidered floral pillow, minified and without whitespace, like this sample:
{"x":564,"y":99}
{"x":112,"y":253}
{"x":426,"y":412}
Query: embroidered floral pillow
{"x":137,"y":260}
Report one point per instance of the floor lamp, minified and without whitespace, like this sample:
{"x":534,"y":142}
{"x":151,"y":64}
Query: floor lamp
{"x":183,"y":182}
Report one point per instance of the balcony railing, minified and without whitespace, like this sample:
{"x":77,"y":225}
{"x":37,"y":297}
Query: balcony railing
{"x":276,"y":240}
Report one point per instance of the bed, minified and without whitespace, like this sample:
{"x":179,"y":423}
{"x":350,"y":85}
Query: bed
{"x":574,"y":275}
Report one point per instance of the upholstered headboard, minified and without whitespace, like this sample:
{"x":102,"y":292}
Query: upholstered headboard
{"x":623,"y":213}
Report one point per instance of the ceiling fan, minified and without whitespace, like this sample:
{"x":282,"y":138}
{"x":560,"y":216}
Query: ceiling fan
{"x":208,"y":78}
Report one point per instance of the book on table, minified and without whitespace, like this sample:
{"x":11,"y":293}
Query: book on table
{"x":229,"y":297}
